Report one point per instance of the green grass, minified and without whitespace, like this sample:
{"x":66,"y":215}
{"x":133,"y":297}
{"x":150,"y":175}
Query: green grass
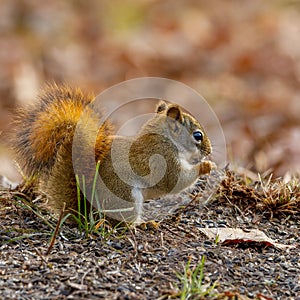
{"x":89,"y":220}
{"x":23,"y":203}
{"x":192,"y":282}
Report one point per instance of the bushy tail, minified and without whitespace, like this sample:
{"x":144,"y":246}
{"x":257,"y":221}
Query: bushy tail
{"x":49,"y":125}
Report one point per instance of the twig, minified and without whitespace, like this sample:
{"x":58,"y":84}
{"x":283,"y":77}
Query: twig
{"x":56,"y":230}
{"x":188,"y":206}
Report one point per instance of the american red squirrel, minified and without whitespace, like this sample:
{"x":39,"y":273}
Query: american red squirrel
{"x":43,"y":143}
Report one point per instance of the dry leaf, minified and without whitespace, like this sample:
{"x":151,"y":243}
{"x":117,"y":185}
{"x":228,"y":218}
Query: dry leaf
{"x":238,"y":235}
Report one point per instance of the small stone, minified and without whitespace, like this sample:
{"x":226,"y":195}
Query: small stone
{"x":207,"y":243}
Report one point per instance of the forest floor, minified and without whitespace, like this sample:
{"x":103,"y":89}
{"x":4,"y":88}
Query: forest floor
{"x":162,"y":263}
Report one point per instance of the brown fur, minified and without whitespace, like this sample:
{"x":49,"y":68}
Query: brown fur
{"x":45,"y":134}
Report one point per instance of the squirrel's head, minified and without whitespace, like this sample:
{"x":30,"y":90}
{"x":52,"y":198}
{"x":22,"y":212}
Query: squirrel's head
{"x":185,"y":132}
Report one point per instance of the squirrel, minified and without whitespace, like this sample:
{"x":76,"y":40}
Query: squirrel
{"x":166,"y":156}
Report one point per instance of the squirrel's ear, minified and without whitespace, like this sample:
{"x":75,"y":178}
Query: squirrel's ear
{"x":175,"y":113}
{"x":161,"y":107}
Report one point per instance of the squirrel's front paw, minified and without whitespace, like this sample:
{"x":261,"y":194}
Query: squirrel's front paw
{"x":206,"y":166}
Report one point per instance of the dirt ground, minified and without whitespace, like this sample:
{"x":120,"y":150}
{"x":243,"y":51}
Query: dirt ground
{"x":144,"y":264}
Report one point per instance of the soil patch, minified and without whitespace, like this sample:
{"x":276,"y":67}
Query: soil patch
{"x":138,"y":264}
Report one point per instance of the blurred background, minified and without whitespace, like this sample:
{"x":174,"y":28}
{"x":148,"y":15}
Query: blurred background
{"x":242,"y":56}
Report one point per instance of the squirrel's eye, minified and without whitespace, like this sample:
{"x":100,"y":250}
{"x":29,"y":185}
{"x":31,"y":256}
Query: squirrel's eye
{"x":198,"y":136}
